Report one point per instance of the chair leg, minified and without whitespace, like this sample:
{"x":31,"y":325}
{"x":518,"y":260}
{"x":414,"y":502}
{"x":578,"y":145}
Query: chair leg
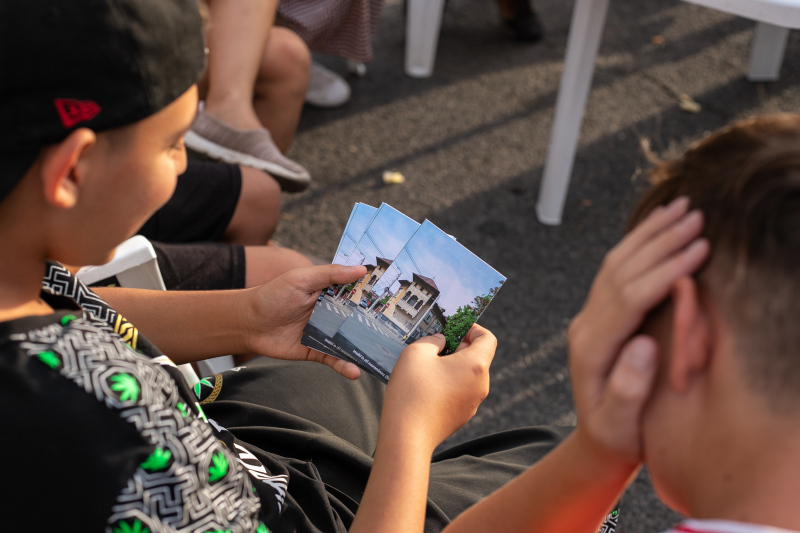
{"x":766,"y":52}
{"x":588,"y":21}
{"x":422,"y":35}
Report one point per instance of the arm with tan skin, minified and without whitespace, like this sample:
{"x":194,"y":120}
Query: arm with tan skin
{"x":268,"y":319}
{"x":572,"y":488}
{"x":448,"y":390}
{"x":576,"y":485}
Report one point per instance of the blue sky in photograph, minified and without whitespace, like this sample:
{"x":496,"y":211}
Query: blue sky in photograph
{"x":385,"y":237}
{"x":360,"y":217}
{"x":459,"y":274}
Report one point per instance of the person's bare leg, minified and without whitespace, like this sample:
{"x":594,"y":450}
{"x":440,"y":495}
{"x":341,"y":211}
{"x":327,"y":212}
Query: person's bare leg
{"x":237,"y":39}
{"x":264,"y":263}
{"x":281,"y":85}
{"x":257,"y":211}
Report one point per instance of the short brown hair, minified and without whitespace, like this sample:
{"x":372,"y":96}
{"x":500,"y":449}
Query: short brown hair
{"x":745,"y":179}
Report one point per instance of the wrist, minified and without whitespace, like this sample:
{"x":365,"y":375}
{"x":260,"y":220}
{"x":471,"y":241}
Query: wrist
{"x":603,"y":460}
{"x":408,"y":432}
{"x":247,"y":312}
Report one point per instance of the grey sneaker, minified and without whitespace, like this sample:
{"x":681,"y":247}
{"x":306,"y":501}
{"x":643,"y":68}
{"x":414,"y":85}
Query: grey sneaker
{"x":253,"y":148}
{"x":326,"y":88}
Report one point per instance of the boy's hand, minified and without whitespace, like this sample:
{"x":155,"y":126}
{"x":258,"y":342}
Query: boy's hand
{"x":278,"y":311}
{"x":612,"y":373}
{"x":430,"y":397}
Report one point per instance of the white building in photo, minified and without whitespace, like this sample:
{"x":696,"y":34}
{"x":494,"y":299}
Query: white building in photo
{"x":411,"y":301}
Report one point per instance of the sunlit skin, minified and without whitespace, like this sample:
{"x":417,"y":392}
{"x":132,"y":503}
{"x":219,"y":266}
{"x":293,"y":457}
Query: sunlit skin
{"x":120,"y":180}
{"x":85,"y":195}
{"x":701,"y":400}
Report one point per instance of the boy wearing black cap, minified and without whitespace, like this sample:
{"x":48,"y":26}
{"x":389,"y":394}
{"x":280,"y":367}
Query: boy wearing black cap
{"x":100,"y":429}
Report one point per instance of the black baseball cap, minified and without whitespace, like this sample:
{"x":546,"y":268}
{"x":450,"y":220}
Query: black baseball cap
{"x":99,"y":64}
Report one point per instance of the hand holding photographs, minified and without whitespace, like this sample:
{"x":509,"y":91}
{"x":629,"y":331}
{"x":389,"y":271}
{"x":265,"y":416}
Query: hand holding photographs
{"x":432,"y":285}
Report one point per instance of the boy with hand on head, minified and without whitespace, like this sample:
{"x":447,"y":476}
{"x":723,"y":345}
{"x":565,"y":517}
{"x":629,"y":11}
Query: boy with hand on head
{"x":686,"y":360}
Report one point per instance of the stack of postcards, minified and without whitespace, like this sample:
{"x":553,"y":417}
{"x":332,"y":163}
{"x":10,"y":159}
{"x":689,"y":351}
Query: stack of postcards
{"x":420,"y":281}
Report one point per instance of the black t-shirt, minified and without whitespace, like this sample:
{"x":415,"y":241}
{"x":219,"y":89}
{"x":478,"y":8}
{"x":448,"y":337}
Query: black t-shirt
{"x":101,"y":432}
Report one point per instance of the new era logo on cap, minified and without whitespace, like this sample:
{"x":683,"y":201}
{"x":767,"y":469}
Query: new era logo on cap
{"x":74,"y":111}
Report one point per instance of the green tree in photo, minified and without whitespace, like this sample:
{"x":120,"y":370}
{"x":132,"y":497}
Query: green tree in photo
{"x":458,"y":325}
{"x":480,"y":303}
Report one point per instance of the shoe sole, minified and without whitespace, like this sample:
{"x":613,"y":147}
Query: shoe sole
{"x":288,"y":180}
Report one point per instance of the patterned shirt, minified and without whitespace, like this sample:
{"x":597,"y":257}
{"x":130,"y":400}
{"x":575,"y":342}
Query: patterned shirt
{"x":98,"y":413}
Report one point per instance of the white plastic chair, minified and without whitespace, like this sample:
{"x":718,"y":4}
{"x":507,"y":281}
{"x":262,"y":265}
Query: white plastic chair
{"x":422,"y":35}
{"x":135,"y":266}
{"x":775,"y":18}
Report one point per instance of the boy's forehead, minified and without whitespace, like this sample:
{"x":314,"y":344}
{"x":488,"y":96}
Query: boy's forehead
{"x":100,"y":64}
{"x":175,"y":119}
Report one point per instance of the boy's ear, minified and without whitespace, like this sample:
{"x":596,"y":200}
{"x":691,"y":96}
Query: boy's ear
{"x":61,"y":175}
{"x":691,"y":335}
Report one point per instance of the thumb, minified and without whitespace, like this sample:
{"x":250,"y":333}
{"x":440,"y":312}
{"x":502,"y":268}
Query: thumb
{"x":434,"y":343}
{"x":317,"y":278}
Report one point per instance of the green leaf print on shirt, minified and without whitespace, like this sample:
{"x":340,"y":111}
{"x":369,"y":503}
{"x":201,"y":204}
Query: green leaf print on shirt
{"x":126,"y":385}
{"x":66,"y":319}
{"x":135,"y":527}
{"x":50,"y":359}
{"x":217,"y":470}
{"x":158,"y":460}
{"x":262,"y":528}
{"x":183,"y":408}
{"x":197,"y":386}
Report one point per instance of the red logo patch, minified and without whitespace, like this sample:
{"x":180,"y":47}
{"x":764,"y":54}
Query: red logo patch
{"x":74,"y":111}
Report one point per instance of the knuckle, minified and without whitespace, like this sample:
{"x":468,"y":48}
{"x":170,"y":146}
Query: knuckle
{"x":484,"y":392}
{"x":480,"y":368}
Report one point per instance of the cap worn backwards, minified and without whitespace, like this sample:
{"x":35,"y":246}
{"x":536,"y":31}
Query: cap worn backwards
{"x":99,"y":64}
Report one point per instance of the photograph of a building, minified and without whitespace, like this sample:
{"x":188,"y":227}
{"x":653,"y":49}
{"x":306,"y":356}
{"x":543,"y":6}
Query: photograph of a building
{"x":434,"y":285}
{"x":433,"y":322}
{"x":363,"y":287}
{"x":360,"y":218}
{"x":385,"y":235}
{"x":322,"y":327}
{"x":412,"y":300}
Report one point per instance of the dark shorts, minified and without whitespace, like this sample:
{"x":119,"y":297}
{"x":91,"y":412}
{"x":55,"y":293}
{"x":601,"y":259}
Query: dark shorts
{"x":201,"y":207}
{"x":201,"y":266}
{"x":183,"y":231}
{"x":307,"y":412}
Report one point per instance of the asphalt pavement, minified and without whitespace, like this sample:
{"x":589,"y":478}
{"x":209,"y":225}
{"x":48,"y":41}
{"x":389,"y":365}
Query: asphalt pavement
{"x":471,"y":142}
